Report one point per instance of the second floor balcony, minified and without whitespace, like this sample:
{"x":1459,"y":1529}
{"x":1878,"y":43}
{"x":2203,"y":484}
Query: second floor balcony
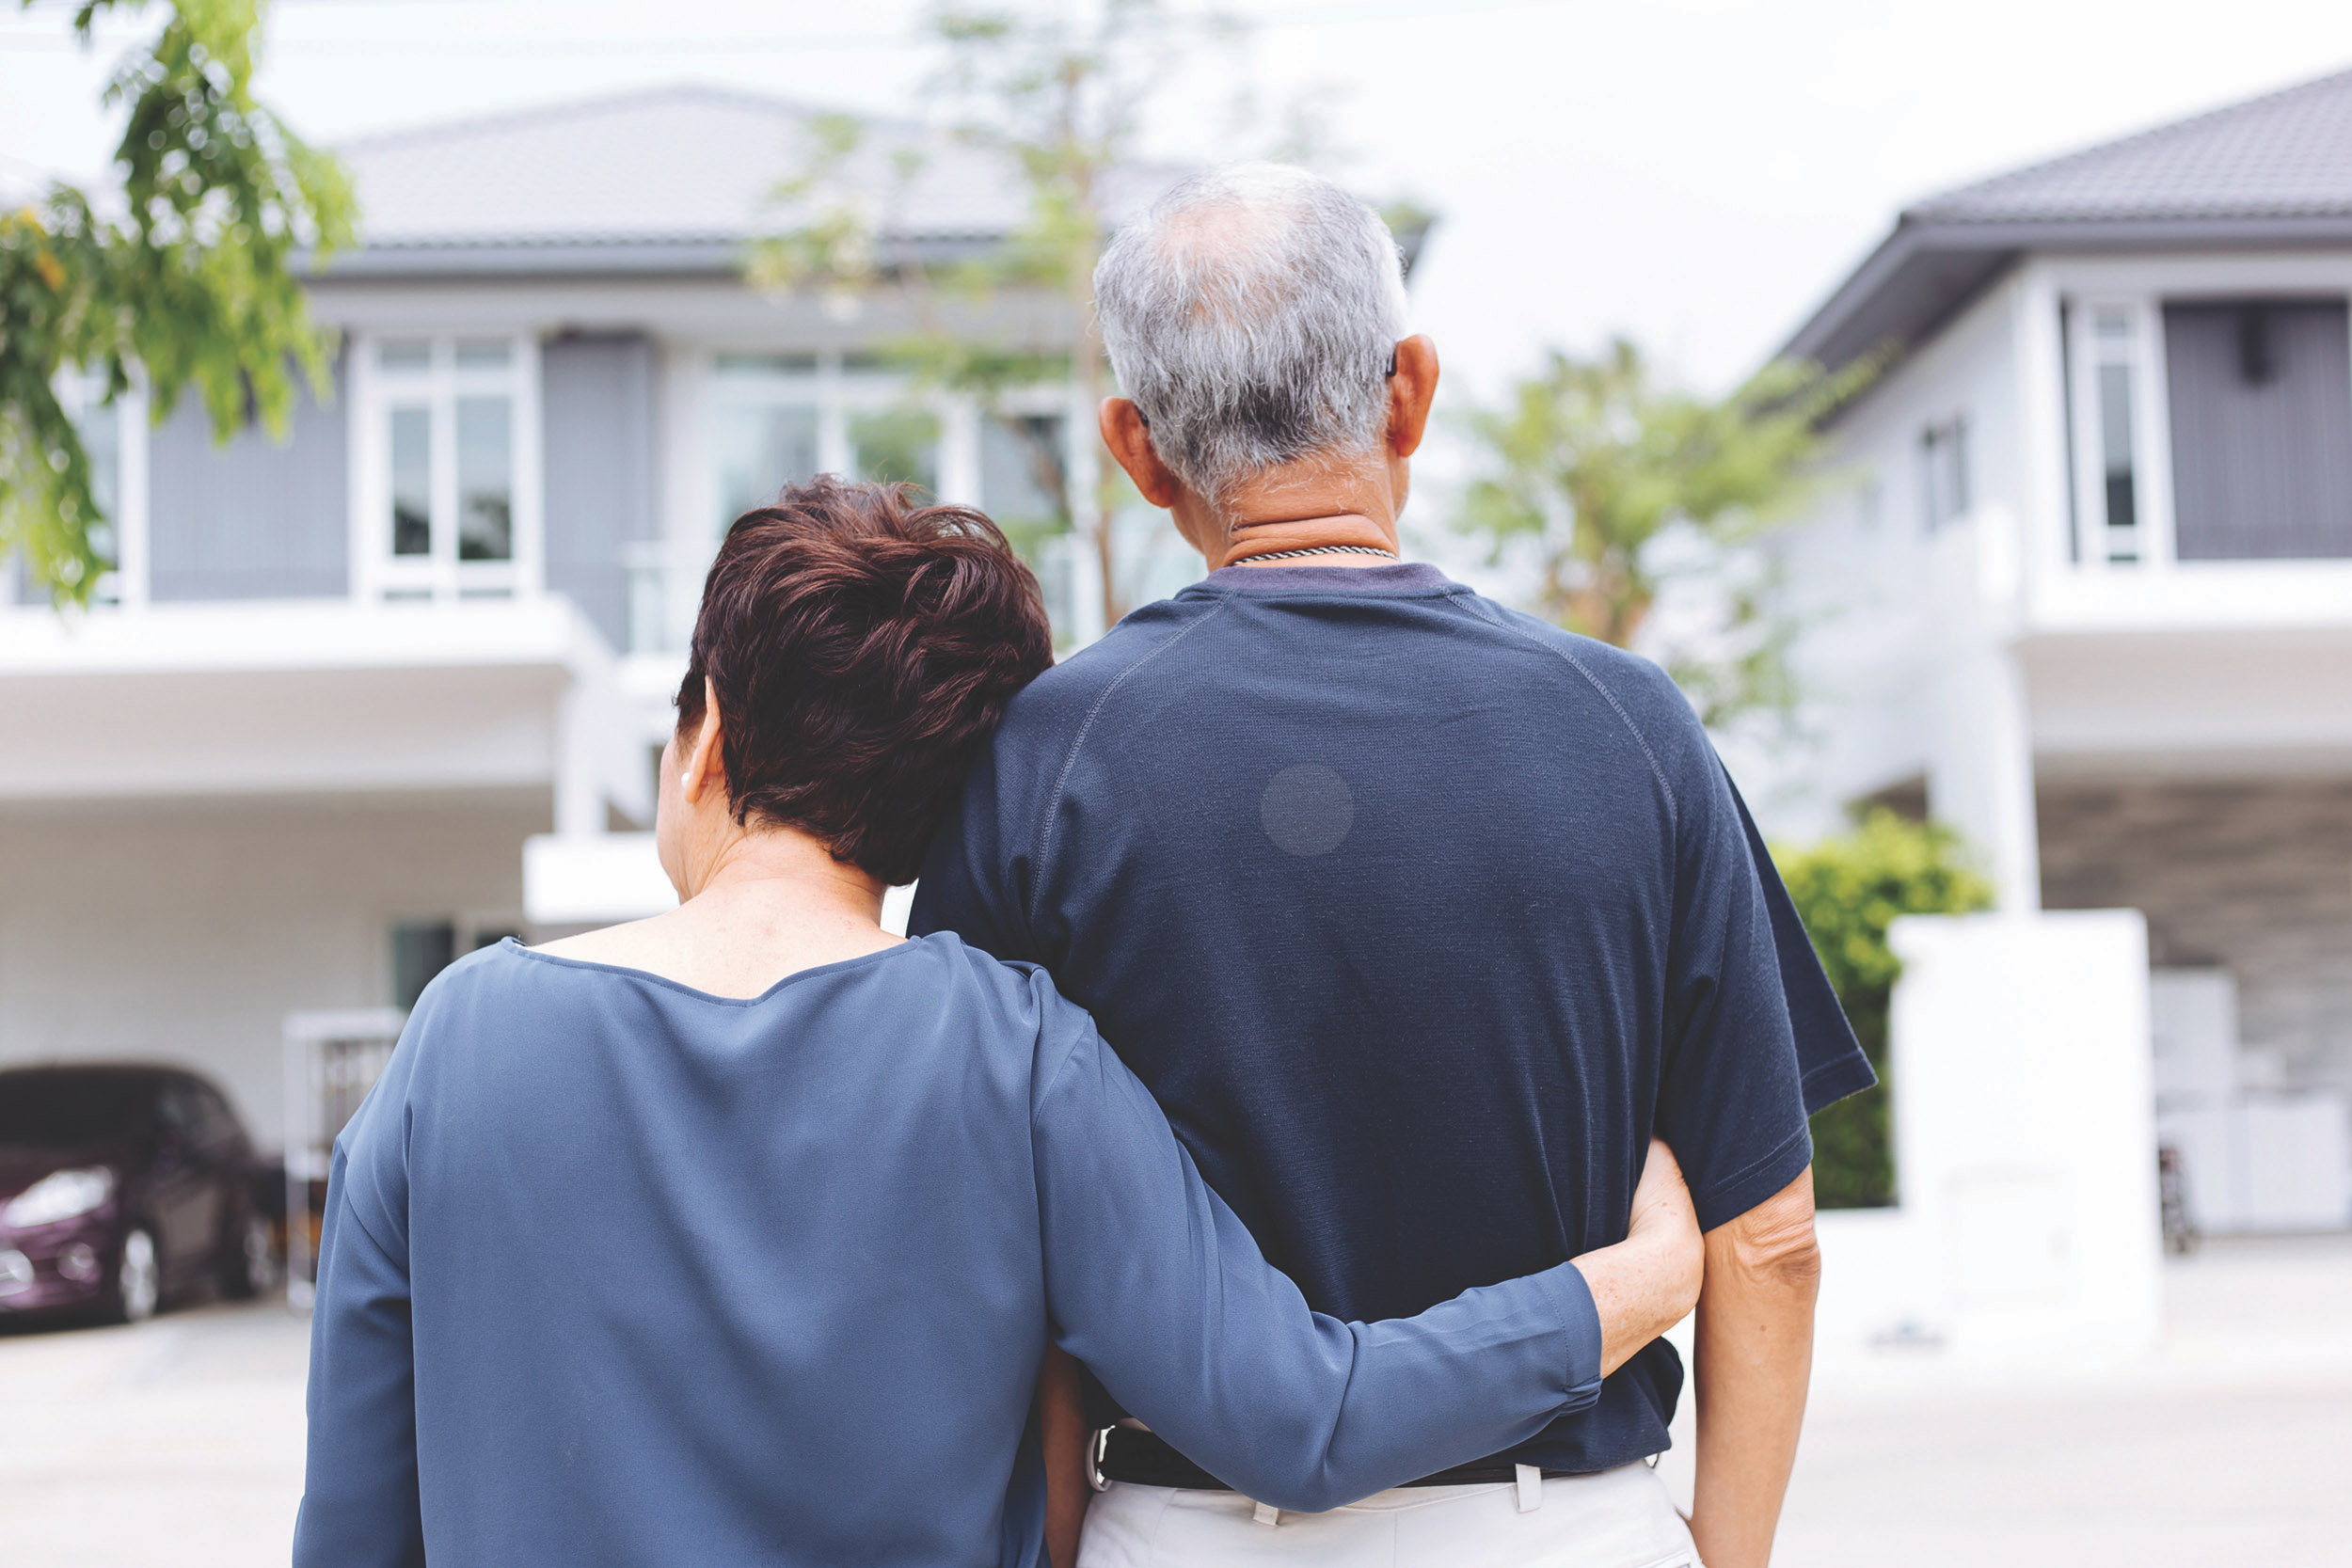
{"x":2206,"y":413}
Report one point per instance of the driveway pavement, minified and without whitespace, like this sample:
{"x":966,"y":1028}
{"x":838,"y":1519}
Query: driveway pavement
{"x":2229,"y":1446}
{"x":179,"y":1442}
{"x":176,"y":1443}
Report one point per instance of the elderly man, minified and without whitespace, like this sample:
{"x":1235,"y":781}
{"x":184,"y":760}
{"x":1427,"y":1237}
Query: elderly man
{"x":1419,"y":916}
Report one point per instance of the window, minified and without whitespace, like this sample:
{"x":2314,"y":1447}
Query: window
{"x":2106,"y":439}
{"x":1024,"y":473}
{"x":100,"y":424}
{"x":774,"y":419}
{"x":1944,"y":471}
{"x":766,"y":429}
{"x":2119,"y":464}
{"x":194,"y":1112}
{"x":447,"y":416}
{"x":896,"y":446}
{"x":763,"y":429}
{"x":420,"y":952}
{"x":760,"y":448}
{"x":1025,"y":480}
{"x":423,"y":948}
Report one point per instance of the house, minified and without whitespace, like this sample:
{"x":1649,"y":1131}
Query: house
{"x":292,"y":761}
{"x":2083,"y":589}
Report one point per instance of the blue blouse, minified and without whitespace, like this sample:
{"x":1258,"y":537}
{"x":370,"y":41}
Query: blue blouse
{"x":618,"y":1272}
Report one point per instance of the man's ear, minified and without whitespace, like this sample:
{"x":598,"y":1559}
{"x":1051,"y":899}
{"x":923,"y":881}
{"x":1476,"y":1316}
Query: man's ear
{"x":701,"y":767}
{"x":1130,"y":442}
{"x":1411,"y":390}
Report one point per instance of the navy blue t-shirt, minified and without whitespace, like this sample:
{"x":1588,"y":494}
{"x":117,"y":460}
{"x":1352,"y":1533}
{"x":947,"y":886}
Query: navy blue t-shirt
{"x":1418,"y":916}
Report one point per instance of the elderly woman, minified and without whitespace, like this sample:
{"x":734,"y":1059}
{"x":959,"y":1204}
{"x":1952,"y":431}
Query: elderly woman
{"x":736,"y":1235}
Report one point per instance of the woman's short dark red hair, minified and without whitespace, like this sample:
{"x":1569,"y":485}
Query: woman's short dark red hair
{"x":862,"y":648}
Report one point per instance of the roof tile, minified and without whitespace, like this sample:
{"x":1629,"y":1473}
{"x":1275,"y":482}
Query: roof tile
{"x":2286,"y":154}
{"x":675,"y":165}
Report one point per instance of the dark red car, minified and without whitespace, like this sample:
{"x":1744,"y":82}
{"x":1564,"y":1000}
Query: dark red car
{"x":123,"y":1187}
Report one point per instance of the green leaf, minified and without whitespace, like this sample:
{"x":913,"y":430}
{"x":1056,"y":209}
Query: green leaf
{"x":1589,"y":462}
{"x":197,"y":283}
{"x":1849,"y":891}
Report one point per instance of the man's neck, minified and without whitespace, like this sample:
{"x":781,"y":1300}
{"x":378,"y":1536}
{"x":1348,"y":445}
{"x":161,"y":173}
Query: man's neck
{"x":1349,"y":537}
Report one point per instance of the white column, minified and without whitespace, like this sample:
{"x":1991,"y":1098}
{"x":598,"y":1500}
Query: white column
{"x":2013,"y":826}
{"x":832,"y":420}
{"x":365,"y":467}
{"x":1981,"y":769}
{"x":579,"y":799}
{"x":527,"y":483}
{"x":689,"y":493}
{"x":2045,"y":503}
{"x":443,"y":422}
{"x":959,"y":451}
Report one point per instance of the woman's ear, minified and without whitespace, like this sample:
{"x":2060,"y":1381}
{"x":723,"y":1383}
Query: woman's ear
{"x":701,"y":768}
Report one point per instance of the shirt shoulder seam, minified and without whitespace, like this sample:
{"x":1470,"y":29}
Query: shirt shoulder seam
{"x":1470,"y":601}
{"x":1070,"y":761}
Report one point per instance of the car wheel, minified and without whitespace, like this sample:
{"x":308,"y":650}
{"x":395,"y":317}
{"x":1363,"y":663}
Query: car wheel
{"x":139,"y":1279}
{"x":249,"y":1264}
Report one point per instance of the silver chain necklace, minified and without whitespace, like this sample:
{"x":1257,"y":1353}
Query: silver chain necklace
{"x":1317,"y":550}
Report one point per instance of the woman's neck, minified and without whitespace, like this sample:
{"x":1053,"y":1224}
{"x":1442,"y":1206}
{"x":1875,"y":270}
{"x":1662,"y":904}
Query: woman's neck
{"x":762,"y":905}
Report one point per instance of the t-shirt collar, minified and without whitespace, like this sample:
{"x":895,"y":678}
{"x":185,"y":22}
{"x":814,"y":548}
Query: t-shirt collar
{"x":1402,"y":576}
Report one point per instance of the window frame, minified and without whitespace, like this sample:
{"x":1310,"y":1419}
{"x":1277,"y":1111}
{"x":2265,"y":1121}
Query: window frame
{"x":666,"y":575}
{"x":2100,"y":545}
{"x":82,"y":395}
{"x":439,"y":575}
{"x":1943,"y":453}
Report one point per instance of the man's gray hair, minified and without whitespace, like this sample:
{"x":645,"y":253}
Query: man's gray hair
{"x":1252,"y":314}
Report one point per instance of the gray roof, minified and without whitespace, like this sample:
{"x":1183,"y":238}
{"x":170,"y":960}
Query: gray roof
{"x":672,"y":179}
{"x":2272,"y":171}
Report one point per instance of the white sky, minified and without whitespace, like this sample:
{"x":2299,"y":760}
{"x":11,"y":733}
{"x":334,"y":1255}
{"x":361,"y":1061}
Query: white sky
{"x":1697,"y":172}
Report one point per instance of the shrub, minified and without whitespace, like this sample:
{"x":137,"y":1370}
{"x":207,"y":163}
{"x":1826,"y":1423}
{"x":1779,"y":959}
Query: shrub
{"x":1848,"y":890}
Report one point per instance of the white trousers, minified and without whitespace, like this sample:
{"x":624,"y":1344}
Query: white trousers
{"x":1621,"y":1519}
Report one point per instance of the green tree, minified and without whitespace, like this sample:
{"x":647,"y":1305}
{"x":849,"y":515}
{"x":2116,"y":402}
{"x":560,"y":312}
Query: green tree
{"x":1595,"y":467}
{"x":1848,"y":889}
{"x":186,"y":271}
{"x":1061,"y":96}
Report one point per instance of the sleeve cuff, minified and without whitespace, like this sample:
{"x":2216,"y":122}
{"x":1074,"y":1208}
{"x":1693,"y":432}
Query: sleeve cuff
{"x":1833,"y":1081}
{"x":1727,"y":1197}
{"x":1580,"y":1322}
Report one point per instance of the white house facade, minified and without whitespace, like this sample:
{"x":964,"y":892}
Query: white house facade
{"x":2082,"y":588}
{"x":292,"y":759}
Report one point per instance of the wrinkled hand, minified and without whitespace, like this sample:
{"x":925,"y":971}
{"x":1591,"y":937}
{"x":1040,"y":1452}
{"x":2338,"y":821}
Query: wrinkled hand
{"x":1648,"y":1282}
{"x":1664,"y":1220}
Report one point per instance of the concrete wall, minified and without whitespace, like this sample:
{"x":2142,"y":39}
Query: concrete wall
{"x":2025,"y":1148}
{"x":186,"y":932}
{"x":2254,"y":876}
{"x":1885,"y":605}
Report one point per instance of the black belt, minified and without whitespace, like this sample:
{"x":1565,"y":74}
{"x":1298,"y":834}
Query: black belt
{"x":1144,"y":1459}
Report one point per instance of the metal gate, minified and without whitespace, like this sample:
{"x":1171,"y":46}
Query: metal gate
{"x":332,"y":1060}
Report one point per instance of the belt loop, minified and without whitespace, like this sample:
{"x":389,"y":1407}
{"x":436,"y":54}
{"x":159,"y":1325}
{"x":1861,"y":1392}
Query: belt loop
{"x":1266,"y":1514}
{"x":1530,"y":1488}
